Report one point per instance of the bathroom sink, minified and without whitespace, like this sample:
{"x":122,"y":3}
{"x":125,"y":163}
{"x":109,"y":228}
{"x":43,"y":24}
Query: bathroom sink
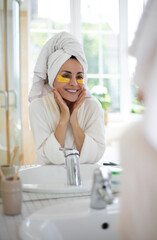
{"x":53,"y":179}
{"x":71,"y":220}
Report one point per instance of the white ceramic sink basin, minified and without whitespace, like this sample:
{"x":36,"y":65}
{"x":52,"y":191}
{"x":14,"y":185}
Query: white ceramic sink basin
{"x":71,"y":220}
{"x":53,"y":179}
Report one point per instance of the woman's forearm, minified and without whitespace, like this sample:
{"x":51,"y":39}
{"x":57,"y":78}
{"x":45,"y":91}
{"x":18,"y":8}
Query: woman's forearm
{"x":79,"y":136}
{"x":60,"y":132}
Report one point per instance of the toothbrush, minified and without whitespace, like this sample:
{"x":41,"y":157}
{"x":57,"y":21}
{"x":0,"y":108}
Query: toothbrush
{"x":19,"y":161}
{"x":14,"y":154}
{"x":2,"y":174}
{"x":111,"y":164}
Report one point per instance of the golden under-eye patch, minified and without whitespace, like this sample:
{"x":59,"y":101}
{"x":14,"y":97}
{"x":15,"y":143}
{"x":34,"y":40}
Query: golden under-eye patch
{"x":80,"y":81}
{"x":66,"y":80}
{"x":62,"y":79}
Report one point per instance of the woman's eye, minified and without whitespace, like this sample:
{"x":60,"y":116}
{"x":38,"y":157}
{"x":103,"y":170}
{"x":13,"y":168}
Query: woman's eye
{"x":66,"y":76}
{"x":79,"y":77}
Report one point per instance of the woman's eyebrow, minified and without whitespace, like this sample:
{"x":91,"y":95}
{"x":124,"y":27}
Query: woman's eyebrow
{"x":80,"y":72}
{"x":71,"y":72}
{"x":66,"y":71}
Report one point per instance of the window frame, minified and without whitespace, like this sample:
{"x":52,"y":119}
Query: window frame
{"x":125,"y":92}
{"x":125,"y":96}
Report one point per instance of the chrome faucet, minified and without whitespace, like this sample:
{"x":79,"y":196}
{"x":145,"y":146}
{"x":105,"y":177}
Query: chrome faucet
{"x":101,"y":189}
{"x":72,"y":166}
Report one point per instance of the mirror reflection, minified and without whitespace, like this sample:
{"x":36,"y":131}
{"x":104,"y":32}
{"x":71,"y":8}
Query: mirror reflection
{"x":78,"y":115}
{"x":70,"y":93}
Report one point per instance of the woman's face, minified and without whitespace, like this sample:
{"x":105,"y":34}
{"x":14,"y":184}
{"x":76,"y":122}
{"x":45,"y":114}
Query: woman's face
{"x":73,"y":71}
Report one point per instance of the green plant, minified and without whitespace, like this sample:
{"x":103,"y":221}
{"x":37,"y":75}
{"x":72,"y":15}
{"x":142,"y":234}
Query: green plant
{"x":101,"y":93}
{"x":137,"y":107}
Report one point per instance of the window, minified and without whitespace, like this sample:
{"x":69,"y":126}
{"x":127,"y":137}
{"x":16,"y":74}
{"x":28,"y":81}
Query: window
{"x":100,"y":32}
{"x":47,"y":18}
{"x":102,"y":27}
{"x":135,"y":8}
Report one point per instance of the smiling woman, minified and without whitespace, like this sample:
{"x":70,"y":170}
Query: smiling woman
{"x":63,"y":113}
{"x":72,"y":94}
{"x":67,"y":79}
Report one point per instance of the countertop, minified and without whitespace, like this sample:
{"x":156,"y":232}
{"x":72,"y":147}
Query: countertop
{"x":9,"y":225}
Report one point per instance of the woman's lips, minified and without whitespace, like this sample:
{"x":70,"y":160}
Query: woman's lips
{"x":71,"y":90}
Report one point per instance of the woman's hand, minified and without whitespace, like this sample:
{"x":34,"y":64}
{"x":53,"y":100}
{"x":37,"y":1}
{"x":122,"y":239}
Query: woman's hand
{"x":61,"y":128}
{"x":77,"y":131}
{"x":76,"y":106}
{"x":69,"y":115}
{"x":65,"y":113}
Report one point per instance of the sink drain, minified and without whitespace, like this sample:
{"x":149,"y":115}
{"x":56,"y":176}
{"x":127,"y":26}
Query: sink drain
{"x":105,"y":225}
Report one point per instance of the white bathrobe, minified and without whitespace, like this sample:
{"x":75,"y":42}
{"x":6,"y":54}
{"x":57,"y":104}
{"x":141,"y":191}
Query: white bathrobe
{"x":44,"y":117}
{"x":138,"y":212}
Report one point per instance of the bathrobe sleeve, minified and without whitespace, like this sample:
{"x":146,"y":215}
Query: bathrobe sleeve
{"x":94,"y":129}
{"x":43,"y":133}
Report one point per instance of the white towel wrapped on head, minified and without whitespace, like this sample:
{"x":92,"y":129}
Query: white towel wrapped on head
{"x":53,"y":55}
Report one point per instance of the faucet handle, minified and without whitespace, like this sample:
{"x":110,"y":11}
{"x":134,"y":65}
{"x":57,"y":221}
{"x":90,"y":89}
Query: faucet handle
{"x":69,"y":151}
{"x":101,"y":189}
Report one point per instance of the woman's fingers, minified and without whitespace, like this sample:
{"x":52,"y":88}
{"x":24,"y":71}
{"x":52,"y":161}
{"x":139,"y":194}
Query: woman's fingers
{"x":58,"y":97}
{"x":56,"y":94}
{"x":82,"y":94}
{"x":80,"y":100}
{"x":62,"y":104}
{"x":65,"y":112}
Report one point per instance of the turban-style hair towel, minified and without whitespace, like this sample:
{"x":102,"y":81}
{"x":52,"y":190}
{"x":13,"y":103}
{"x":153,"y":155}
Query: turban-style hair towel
{"x":53,"y":55}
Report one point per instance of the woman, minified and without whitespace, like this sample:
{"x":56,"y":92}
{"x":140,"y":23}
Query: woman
{"x":62,"y":111}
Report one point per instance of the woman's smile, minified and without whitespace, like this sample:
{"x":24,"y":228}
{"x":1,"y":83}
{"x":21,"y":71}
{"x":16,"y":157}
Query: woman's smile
{"x":72,"y":90}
